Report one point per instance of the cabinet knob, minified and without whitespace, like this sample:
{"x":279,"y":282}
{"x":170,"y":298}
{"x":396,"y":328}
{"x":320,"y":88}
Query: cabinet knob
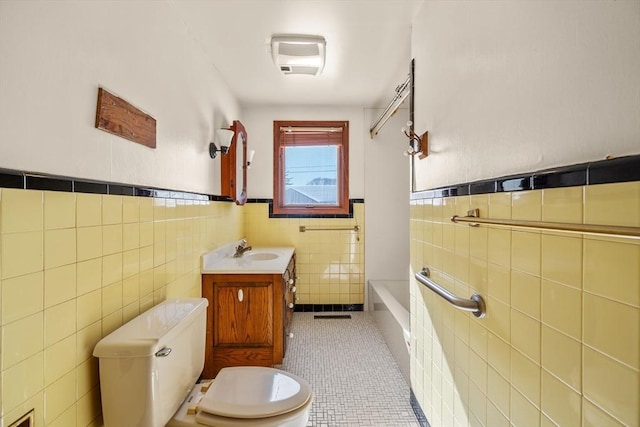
{"x":290,"y":305}
{"x":240,"y":295}
{"x":291,"y":281}
{"x":290,"y":334}
{"x":293,"y":289}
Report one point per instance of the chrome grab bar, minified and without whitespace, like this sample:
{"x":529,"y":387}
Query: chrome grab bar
{"x":475,"y":305}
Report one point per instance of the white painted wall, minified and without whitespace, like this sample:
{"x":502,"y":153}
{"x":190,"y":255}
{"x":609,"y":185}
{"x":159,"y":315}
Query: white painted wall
{"x":386,"y":194}
{"x":259,"y":124}
{"x":55,"y":55}
{"x":378,"y":172}
{"x":508,"y":87}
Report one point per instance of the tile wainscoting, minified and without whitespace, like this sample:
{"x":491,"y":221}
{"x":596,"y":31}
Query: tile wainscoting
{"x":330,"y":264}
{"x":74,"y":267}
{"x":560,"y":344}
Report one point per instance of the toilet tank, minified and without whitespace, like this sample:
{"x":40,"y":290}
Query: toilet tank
{"x":148,"y":365}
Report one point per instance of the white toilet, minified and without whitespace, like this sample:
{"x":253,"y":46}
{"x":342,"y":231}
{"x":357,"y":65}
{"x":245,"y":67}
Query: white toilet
{"x":149,"y":367}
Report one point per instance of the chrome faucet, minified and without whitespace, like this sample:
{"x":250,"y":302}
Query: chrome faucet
{"x":241,"y":249}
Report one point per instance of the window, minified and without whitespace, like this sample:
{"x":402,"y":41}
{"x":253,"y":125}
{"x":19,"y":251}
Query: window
{"x":311,"y":162}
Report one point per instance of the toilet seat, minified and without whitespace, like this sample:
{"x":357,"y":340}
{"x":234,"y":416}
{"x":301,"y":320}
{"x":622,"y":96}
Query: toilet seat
{"x":297,"y":418}
{"x":185,"y":418}
{"x":253,"y":392}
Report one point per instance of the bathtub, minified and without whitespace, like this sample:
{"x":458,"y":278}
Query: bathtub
{"x":389,"y":306}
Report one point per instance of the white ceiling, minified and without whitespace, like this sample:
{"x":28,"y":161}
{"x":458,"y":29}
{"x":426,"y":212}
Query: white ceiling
{"x":368,"y":47}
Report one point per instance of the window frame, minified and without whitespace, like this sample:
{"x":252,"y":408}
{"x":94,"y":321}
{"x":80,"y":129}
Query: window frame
{"x":342,"y":207}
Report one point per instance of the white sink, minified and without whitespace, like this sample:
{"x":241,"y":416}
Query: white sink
{"x":266,"y":260}
{"x":261,"y":256}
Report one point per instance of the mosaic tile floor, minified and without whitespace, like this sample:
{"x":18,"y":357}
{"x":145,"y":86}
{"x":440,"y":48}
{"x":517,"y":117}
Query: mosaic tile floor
{"x":355,"y":380}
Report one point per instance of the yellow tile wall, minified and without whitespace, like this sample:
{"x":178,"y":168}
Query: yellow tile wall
{"x":560,"y":344}
{"x":330,"y":264}
{"x":74,"y":267}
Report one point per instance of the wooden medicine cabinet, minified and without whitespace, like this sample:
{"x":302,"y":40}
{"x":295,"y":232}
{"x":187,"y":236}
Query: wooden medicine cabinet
{"x":233,"y":182}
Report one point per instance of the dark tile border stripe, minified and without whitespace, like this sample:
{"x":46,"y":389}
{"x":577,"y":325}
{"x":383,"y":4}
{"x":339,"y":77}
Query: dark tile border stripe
{"x":514,"y":183}
{"x":221,"y":198}
{"x":320,"y":308}
{"x":90,"y":187}
{"x":482,"y":187}
{"x":122,"y":190}
{"x":36,"y":181}
{"x":272,"y":215}
{"x":569,"y":176}
{"x":417,"y":410}
{"x":143,"y":192}
{"x":10,"y":179}
{"x":620,"y":169}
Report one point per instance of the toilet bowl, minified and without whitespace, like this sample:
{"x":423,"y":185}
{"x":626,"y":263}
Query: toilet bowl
{"x":148,"y":368}
{"x":247,"y":396}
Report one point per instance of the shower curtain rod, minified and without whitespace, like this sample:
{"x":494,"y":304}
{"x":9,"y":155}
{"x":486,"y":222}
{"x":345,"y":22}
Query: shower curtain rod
{"x":402,"y":92}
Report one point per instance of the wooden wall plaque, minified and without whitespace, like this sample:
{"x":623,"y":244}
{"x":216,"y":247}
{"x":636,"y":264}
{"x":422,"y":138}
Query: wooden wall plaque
{"x":117,"y":116}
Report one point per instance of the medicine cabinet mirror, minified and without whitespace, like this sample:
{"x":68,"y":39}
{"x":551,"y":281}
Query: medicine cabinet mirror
{"x":234,"y":166}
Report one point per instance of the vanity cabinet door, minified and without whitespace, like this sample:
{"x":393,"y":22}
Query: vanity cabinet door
{"x":243,"y":314}
{"x":242,"y":321}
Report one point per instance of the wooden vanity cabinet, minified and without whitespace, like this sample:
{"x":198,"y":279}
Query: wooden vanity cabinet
{"x":246,"y":319}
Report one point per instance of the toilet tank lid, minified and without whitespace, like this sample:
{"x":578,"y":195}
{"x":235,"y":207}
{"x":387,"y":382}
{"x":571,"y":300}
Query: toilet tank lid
{"x":143,"y":335}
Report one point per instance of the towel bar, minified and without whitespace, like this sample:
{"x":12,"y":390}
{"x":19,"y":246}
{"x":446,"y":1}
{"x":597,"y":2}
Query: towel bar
{"x":304,"y":228}
{"x":473,"y":218}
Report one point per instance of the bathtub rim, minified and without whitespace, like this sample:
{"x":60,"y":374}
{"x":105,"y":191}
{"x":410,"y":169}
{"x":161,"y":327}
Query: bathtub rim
{"x":394,"y":322}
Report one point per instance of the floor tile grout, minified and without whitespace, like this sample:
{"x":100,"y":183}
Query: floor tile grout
{"x":354,"y":377}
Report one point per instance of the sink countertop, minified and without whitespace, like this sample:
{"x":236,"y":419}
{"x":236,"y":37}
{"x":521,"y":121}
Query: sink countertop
{"x":221,"y":261}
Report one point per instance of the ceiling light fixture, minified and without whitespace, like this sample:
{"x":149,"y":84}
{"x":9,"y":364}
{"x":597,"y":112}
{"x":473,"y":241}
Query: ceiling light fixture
{"x":298,"y":54}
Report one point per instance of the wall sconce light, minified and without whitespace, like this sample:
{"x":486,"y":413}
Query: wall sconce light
{"x":417,"y":144}
{"x":224,"y":138}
